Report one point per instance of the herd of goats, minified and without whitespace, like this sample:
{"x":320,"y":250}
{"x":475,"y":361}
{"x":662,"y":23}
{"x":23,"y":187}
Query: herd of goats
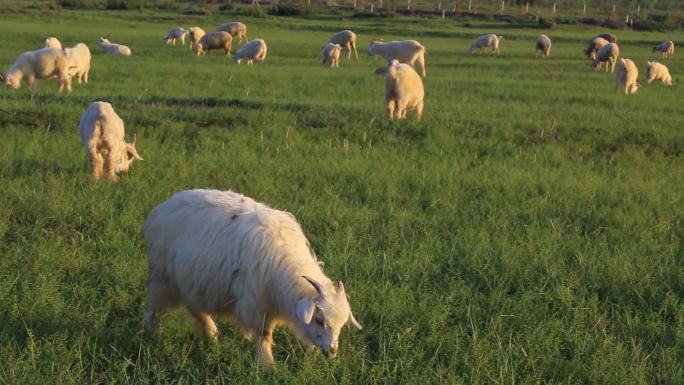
{"x":222,"y":254}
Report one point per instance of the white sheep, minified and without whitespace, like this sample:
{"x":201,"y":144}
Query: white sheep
{"x":175,"y":33}
{"x":44,"y":63}
{"x":607,"y":54}
{"x":594,"y":45}
{"x":195,"y":34}
{"x":222,"y":254}
{"x":52,"y":42}
{"x":214,"y":40}
{"x":489,"y":42}
{"x":254,"y":50}
{"x":79,"y":61}
{"x":626,"y":77}
{"x":331,"y":54}
{"x":665,"y":48}
{"x":235,"y":29}
{"x":406,"y":51}
{"x":543,"y":46}
{"x":102,"y":132}
{"x":403,"y":90}
{"x":346,"y":39}
{"x":657,"y":71}
{"x":113,"y":48}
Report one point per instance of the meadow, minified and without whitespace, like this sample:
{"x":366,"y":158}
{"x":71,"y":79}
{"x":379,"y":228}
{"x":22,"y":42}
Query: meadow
{"x":527,"y":231}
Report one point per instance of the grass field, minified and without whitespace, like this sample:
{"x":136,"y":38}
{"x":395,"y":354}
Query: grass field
{"x":527,"y":231}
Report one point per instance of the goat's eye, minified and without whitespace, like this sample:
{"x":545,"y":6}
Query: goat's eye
{"x":319,"y":321}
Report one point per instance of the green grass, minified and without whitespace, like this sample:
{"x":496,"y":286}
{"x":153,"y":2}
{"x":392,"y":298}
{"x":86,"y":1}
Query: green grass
{"x":527,"y":231}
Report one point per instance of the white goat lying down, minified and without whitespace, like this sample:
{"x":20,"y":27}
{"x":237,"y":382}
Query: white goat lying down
{"x":222,"y":254}
{"x":102,"y":133}
{"x":113,"y":48}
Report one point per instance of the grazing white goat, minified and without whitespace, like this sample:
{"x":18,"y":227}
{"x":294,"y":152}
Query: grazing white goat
{"x":489,"y":42}
{"x":346,"y":39}
{"x":406,"y":51}
{"x":235,"y":29}
{"x":79,"y":61}
{"x":626,"y":77}
{"x":403,"y":90}
{"x":214,"y":40}
{"x":175,"y":33}
{"x":594,"y":45}
{"x":44,"y":63}
{"x":609,"y":54}
{"x":195,"y":34}
{"x":222,"y":254}
{"x":665,"y":48}
{"x":113,"y":48}
{"x":543,"y":46}
{"x":254,"y":50}
{"x":102,"y":132}
{"x":657,"y":71}
{"x":52,"y":42}
{"x":331,"y":54}
{"x":607,"y":36}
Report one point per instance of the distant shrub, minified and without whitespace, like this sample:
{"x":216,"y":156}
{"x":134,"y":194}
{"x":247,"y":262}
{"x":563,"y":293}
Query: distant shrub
{"x":546,"y":23}
{"x":76,"y":3}
{"x":286,"y":10}
{"x":124,"y":4}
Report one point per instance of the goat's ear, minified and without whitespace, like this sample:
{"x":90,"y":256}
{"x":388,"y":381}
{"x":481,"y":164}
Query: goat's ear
{"x":352,"y":321}
{"x":305,"y":310}
{"x":133,"y":152}
{"x":2,"y":78}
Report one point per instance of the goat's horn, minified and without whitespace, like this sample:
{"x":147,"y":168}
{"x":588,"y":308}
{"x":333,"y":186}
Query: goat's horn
{"x":315,"y":284}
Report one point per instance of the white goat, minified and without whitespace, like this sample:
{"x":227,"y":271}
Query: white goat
{"x":102,"y":131}
{"x":112,"y":48}
{"x":607,"y":54}
{"x":594,"y":45}
{"x":52,"y":42}
{"x":79,"y":61}
{"x":331,"y":54}
{"x":626,"y":77}
{"x":657,"y":71}
{"x":44,"y":63}
{"x":222,"y":254}
{"x":665,"y":48}
{"x":489,"y":42}
{"x":543,"y":46}
{"x":403,"y":90}
{"x":195,"y":33}
{"x":235,"y":29}
{"x":406,"y":51}
{"x":346,"y":39}
{"x":254,"y":50}
{"x":214,"y":40}
{"x":175,"y":33}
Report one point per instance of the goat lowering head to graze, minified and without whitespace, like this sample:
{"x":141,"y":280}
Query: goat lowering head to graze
{"x":44,"y":63}
{"x":222,"y":254}
{"x":102,"y":134}
{"x":406,"y":51}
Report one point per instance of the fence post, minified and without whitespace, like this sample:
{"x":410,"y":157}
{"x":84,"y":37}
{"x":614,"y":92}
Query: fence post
{"x":469,"y":4}
{"x":638,"y":9}
{"x":554,"y":9}
{"x":503,"y":5}
{"x":527,"y":7}
{"x":443,"y":14}
{"x":372,"y":4}
{"x":408,"y":5}
{"x":584,"y":9}
{"x":439,"y":6}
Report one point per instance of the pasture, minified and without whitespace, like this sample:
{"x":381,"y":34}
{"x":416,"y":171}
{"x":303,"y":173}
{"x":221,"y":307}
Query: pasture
{"x":527,"y":231}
